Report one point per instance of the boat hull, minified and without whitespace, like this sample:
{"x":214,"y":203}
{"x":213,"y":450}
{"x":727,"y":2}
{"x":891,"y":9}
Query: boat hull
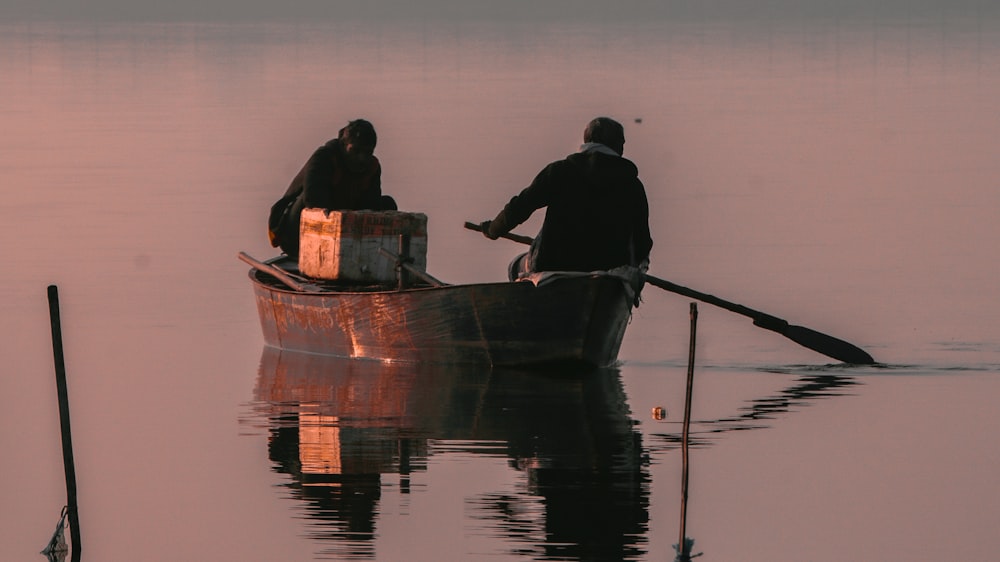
{"x":575,"y":320}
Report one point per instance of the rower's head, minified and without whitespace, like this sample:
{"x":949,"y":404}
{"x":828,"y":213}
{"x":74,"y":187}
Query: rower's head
{"x":359,"y":139}
{"x":606,"y":131}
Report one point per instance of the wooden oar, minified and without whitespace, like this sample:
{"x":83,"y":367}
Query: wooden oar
{"x":816,"y":341}
{"x":280,"y":274}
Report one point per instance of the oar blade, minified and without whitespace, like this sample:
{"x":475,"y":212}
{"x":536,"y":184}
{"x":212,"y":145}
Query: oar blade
{"x":828,"y":345}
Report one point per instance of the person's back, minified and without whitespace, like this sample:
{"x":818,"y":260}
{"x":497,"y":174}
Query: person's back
{"x":597,"y":215}
{"x":343,"y":174}
{"x":595,"y":206}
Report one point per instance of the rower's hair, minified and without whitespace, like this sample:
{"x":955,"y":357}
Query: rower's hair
{"x":359,"y":132}
{"x":604,"y":130}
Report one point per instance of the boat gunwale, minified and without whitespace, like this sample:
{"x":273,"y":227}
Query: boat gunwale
{"x":278,"y":286}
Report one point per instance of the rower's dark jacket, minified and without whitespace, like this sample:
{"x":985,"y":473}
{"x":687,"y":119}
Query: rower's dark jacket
{"x":326,"y":181}
{"x":597,"y":215}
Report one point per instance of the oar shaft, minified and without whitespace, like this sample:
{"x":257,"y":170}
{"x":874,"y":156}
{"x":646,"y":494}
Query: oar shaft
{"x":761,"y":319}
{"x":278,"y":273}
{"x":416,"y":271}
{"x":509,"y":236}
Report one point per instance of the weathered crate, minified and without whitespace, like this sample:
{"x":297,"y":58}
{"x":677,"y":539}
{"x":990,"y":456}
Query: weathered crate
{"x":344,"y":245}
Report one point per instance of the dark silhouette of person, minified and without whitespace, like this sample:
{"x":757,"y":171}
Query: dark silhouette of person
{"x":597,"y":214}
{"x":343,"y":174}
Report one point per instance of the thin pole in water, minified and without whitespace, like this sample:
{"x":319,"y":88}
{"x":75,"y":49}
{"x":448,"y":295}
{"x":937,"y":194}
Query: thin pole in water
{"x":67,"y":438}
{"x":683,"y":547}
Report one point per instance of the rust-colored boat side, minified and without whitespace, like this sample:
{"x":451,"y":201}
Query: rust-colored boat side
{"x":573,"y":320}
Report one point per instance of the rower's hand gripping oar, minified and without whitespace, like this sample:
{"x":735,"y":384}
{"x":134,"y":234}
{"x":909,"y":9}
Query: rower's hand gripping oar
{"x":816,"y":341}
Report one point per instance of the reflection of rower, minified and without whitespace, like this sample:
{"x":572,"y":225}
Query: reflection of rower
{"x":583,"y":459}
{"x":337,"y":425}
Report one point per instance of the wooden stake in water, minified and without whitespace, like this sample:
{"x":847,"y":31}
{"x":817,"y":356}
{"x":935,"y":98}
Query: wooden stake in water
{"x":67,"y":439}
{"x":683,"y":546}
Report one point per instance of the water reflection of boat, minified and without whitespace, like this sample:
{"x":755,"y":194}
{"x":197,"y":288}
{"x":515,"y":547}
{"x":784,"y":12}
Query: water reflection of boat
{"x":338,"y":426}
{"x":343,"y":430}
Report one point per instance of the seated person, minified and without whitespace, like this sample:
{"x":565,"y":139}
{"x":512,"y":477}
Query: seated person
{"x":343,"y":174}
{"x":597,"y":215}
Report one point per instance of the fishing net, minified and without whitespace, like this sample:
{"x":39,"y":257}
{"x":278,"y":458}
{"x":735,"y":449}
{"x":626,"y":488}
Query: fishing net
{"x":56,"y":548}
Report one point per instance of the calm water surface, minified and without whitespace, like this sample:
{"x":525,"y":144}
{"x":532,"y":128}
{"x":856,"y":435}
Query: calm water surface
{"x":837,"y":172}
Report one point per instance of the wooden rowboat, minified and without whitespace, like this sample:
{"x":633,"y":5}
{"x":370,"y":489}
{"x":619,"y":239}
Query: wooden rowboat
{"x":571,"y":318}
